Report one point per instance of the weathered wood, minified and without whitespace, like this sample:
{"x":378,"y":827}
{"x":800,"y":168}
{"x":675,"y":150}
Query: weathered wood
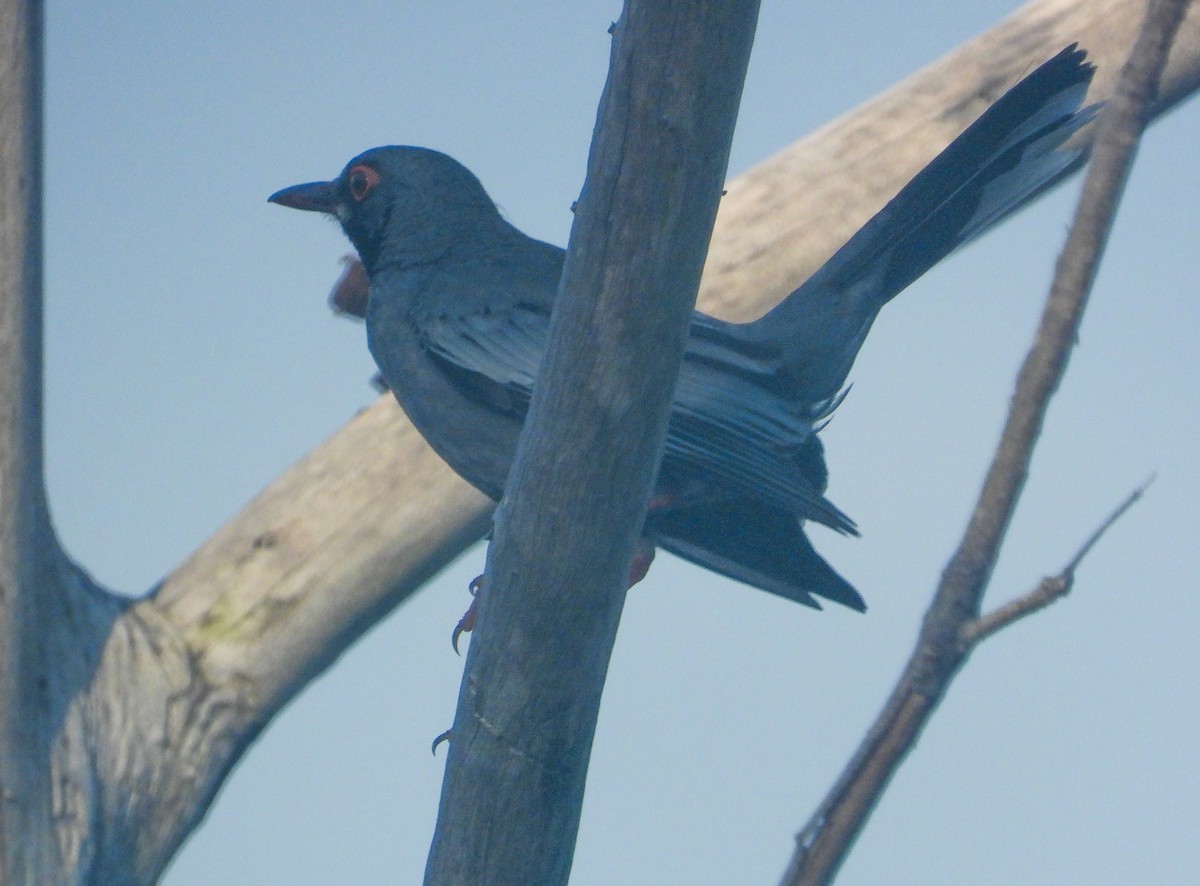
{"x":782,"y":219}
{"x":29,"y":557}
{"x":572,"y":512}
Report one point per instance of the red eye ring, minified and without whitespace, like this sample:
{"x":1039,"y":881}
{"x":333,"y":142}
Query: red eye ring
{"x":362,"y":179}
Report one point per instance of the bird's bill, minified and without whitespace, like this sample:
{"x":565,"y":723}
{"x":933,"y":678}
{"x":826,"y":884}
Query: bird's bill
{"x":311,"y":196}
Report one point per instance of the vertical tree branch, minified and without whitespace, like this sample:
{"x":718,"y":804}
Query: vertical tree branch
{"x":566,"y":530}
{"x":945,"y":640}
{"x":27,"y":546}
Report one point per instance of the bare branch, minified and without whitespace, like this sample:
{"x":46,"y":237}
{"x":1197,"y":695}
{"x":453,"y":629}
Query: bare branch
{"x":29,"y":554}
{"x":1112,"y":518}
{"x":940,"y":652}
{"x":1049,"y":589}
{"x":573,"y":507}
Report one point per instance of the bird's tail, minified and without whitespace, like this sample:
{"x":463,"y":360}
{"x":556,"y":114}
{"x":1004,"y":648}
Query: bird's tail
{"x":752,"y":542}
{"x":1002,"y":161}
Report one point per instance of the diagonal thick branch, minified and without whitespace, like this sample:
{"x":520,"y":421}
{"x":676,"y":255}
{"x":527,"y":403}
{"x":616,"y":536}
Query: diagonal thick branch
{"x":946,"y":638}
{"x":374,"y":529}
{"x":339,"y":538}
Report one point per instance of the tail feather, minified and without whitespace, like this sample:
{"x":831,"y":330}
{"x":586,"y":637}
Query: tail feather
{"x":1001,"y":162}
{"x":1005,"y":159}
{"x":753,"y":543}
{"x":1012,"y":153}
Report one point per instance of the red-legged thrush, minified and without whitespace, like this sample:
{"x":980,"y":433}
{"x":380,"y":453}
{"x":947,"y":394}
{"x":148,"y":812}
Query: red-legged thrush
{"x":459,"y":302}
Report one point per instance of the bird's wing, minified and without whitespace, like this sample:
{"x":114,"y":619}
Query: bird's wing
{"x":490,"y":342}
{"x":731,"y":427}
{"x":734,"y":424}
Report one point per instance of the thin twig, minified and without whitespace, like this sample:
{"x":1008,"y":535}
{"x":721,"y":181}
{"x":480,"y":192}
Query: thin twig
{"x":1049,"y":589}
{"x":1116,"y":515}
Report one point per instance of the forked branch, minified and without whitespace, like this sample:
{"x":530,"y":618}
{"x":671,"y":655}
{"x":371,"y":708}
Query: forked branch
{"x":952,"y":625}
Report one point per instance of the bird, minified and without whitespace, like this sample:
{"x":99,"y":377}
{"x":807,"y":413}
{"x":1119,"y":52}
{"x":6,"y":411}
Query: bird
{"x":458,"y":312}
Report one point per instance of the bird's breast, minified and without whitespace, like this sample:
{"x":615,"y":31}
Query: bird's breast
{"x":477,"y":438}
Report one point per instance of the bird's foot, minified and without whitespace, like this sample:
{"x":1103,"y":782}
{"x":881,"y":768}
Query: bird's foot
{"x":467,"y":623}
{"x":643,"y":556}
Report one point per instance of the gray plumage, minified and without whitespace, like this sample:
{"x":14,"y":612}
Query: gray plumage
{"x":457,"y":320}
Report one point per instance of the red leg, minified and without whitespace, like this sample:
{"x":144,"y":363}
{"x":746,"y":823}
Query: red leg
{"x":643,"y":556}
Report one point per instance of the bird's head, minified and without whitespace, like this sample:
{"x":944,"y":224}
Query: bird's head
{"x":400,"y":205}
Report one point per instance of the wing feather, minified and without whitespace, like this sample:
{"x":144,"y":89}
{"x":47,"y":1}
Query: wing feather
{"x":731,"y":424}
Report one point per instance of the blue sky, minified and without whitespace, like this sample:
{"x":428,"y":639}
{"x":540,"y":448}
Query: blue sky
{"x":191,"y":357}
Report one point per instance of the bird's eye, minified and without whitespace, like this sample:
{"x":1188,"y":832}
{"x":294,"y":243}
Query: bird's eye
{"x":361,"y":180}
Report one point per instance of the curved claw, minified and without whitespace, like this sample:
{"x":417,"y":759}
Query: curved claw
{"x":459,"y":630}
{"x":445,"y":736}
{"x":467,"y":622}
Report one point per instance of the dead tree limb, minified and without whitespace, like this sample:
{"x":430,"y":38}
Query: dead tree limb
{"x":573,"y":507}
{"x":951,"y":625}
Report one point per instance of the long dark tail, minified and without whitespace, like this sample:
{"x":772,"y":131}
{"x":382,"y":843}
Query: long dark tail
{"x":1003,"y":160}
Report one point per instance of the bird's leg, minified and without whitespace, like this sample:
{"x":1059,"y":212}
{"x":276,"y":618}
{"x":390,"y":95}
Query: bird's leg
{"x":464,"y":626}
{"x":643,"y":553}
{"x":643,"y":556}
